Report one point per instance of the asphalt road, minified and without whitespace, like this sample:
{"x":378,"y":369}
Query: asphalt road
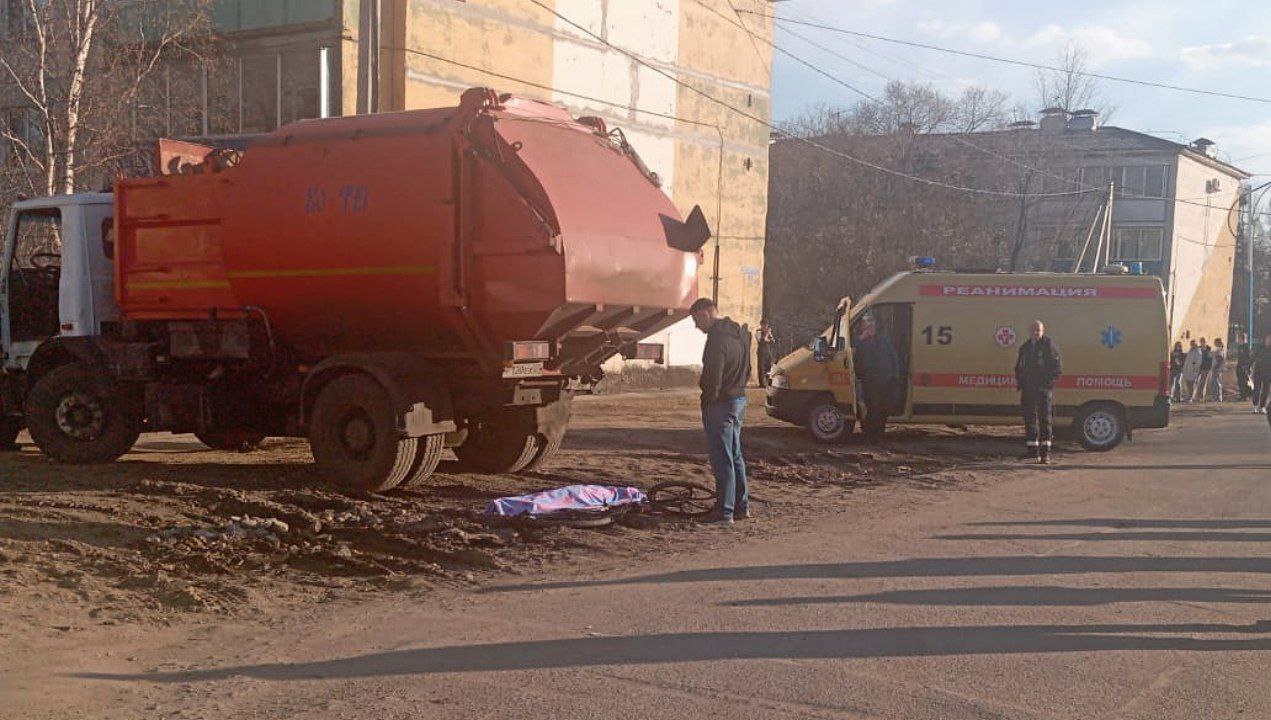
{"x":1132,"y":584}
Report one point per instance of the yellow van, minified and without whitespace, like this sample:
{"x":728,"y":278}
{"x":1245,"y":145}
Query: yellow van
{"x":957,"y":336}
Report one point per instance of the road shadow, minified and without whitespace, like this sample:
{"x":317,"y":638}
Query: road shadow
{"x":1162,"y":523}
{"x":1157,"y":536}
{"x":1021,"y":596}
{"x":708,"y":647}
{"x":1003,"y":566}
{"x":1062,"y":466}
{"x":761,"y":440}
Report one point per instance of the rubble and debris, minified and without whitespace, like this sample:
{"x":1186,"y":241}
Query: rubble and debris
{"x":172,"y":532}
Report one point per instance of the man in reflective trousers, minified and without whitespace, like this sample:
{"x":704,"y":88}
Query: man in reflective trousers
{"x":1036,"y":371}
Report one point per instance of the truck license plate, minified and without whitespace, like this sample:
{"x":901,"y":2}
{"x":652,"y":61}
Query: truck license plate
{"x":531,"y":369}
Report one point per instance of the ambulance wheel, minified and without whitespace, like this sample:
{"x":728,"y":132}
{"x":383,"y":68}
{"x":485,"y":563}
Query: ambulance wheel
{"x":354,"y":438}
{"x":827,"y":424}
{"x":1100,"y":426}
{"x":79,"y":417}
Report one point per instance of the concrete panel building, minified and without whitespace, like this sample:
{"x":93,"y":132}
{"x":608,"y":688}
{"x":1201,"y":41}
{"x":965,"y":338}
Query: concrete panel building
{"x":678,"y":77}
{"x":1174,"y":210}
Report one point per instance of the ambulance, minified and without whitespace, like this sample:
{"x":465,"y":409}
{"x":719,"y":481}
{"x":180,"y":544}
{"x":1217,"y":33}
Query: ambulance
{"x":957,"y":336}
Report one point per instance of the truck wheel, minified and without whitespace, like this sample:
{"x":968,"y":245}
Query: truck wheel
{"x":827,"y":424}
{"x":548,"y":447}
{"x":1100,"y":426}
{"x":552,"y":421}
{"x":231,"y":440}
{"x":10,"y":427}
{"x":504,"y":441}
{"x":354,"y":438}
{"x":78,"y":417}
{"x":427,"y":457}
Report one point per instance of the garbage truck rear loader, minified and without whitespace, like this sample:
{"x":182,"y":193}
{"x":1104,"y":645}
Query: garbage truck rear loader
{"x":387,"y":286}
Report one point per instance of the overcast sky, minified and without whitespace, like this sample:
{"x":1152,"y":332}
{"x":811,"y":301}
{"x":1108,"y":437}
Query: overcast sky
{"x":1220,"y":45}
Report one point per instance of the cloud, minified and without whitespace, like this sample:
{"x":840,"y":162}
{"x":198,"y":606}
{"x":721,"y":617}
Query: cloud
{"x":981,"y":32}
{"x":1253,"y":51}
{"x":1246,"y":146}
{"x":1102,"y":43}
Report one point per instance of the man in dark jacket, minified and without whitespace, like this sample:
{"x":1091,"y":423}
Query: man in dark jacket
{"x":877,"y":367}
{"x":1244,"y":362}
{"x":766,"y":343}
{"x":1262,"y":377}
{"x":1036,"y":371}
{"x":725,"y":372}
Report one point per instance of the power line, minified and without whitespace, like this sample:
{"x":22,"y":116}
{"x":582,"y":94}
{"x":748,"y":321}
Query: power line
{"x":750,"y":116}
{"x":1010,"y":61}
{"x":549,"y":88}
{"x":955,"y":137}
{"x":778,"y":130}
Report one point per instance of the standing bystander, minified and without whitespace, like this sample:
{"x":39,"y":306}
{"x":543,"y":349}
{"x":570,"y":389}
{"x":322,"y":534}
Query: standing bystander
{"x":878,"y":369}
{"x":1262,"y":376}
{"x":1176,"y":360}
{"x":1244,"y":361}
{"x":1036,"y":371}
{"x":1191,"y":371}
{"x":725,"y":371}
{"x":766,"y":351}
{"x":1206,"y":366}
{"x":1219,"y":355}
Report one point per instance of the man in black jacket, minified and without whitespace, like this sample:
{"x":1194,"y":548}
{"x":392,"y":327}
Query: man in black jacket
{"x":878,"y":368}
{"x":725,"y":372}
{"x":1036,"y":371}
{"x":1244,"y":362}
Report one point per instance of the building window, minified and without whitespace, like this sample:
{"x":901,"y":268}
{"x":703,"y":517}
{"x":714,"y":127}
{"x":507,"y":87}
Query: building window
{"x":1133,"y":181}
{"x":15,"y":18}
{"x":1095,"y":176}
{"x":1142,"y":181}
{"x":257,"y":93}
{"x":1137,"y":243}
{"x":23,"y":124}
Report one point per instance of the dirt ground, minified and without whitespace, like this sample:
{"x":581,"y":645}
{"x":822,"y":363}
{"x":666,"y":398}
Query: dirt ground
{"x":174,"y":528}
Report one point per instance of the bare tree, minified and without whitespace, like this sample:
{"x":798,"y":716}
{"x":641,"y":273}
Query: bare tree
{"x":1070,"y":87}
{"x":74,"y":72}
{"x":914,"y":107}
{"x":979,"y":108}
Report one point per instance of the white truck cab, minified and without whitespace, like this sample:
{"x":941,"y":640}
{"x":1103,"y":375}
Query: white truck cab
{"x":59,"y":278}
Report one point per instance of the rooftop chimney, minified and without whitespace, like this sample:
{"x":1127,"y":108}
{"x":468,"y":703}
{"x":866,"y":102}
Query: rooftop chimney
{"x":1054,"y":119}
{"x":1204,"y":146}
{"x":1084,"y":121}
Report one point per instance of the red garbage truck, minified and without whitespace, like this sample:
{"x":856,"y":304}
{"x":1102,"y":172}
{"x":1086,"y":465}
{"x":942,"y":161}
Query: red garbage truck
{"x":386,"y":286}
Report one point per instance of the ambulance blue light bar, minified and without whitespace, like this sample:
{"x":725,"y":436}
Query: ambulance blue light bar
{"x":923,"y":262}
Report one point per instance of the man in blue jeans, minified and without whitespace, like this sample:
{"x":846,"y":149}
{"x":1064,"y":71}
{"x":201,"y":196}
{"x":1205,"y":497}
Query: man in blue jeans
{"x":725,"y":372}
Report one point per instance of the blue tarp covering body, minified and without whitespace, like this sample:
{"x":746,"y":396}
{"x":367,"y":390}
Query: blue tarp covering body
{"x":572,"y":497}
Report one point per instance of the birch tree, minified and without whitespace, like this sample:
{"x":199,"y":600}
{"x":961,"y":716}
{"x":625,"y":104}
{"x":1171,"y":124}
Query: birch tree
{"x":71,"y":73}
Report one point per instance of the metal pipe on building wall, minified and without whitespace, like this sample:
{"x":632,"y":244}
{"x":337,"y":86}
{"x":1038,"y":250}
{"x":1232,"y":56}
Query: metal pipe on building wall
{"x":324,"y":82}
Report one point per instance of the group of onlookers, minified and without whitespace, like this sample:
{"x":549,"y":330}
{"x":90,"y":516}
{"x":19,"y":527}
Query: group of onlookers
{"x":1196,"y":373}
